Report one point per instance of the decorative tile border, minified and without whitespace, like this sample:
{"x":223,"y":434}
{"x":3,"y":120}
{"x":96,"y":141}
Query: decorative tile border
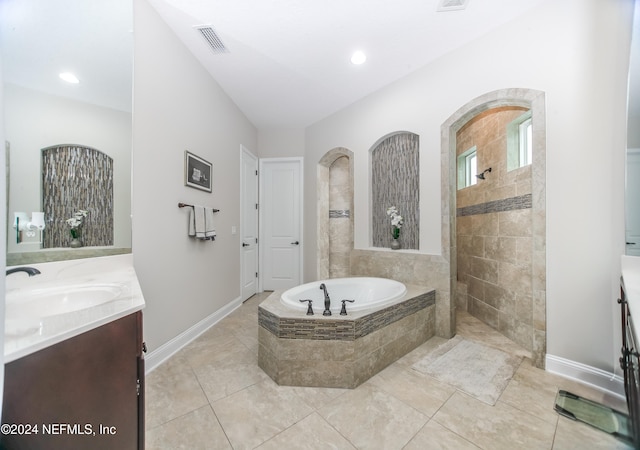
{"x":345,"y":329}
{"x":507,"y":204}
{"x":339,"y":214}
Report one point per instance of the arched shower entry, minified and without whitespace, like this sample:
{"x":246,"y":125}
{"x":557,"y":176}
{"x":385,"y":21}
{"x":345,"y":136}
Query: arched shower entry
{"x":528,"y":326}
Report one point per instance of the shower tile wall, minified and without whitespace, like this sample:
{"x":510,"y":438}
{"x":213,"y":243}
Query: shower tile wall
{"x":340,"y":233}
{"x":494,"y":232}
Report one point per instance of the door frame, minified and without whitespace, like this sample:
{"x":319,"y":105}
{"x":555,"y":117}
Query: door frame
{"x":262,"y":162}
{"x":245,"y":152}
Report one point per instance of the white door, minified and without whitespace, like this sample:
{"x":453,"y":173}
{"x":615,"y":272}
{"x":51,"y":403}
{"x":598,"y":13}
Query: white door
{"x":281,"y":222}
{"x":632,"y":201}
{"x":248,"y":223}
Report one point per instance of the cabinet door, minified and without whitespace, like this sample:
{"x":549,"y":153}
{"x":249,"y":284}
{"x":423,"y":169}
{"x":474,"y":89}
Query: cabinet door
{"x":81,"y":393}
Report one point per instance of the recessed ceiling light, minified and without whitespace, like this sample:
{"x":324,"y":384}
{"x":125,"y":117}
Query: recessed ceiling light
{"x":358,"y":57}
{"x":69,"y":77}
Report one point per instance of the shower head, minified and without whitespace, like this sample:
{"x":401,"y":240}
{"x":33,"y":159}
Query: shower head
{"x":480,"y":176}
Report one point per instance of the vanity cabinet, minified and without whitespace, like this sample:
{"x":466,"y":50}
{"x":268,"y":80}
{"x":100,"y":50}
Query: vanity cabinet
{"x":630,"y":364}
{"x":84,"y":392}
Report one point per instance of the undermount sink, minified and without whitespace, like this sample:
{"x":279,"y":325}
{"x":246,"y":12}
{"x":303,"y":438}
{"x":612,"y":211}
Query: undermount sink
{"x":44,"y":302}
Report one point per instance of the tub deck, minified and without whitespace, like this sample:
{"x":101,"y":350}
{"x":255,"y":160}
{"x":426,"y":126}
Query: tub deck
{"x":341,"y":351}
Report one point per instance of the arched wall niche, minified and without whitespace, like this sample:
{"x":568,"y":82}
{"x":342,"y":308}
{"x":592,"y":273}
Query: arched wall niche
{"x":77,"y":177}
{"x":394,"y":180}
{"x":535,"y":101}
{"x":335,"y":213}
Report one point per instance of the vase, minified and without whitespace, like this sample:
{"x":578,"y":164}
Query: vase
{"x":395,"y":244}
{"x":75,"y":243}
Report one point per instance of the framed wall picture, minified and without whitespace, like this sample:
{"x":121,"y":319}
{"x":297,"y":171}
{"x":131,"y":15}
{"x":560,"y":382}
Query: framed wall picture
{"x":198,"y":173}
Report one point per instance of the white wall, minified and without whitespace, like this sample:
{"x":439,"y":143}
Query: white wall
{"x":37,"y":120}
{"x":178,"y":107}
{"x":276,"y":143}
{"x":576,"y":51}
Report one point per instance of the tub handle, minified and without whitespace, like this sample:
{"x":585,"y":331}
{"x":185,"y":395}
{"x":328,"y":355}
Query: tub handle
{"x":309,"y":309}
{"x":343,"y":311}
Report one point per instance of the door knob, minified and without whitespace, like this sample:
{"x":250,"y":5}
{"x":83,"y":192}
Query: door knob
{"x":244,"y":244}
{"x":295,"y":243}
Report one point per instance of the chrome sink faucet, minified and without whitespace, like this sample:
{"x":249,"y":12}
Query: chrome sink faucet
{"x":327,"y":301}
{"x":30,"y":270}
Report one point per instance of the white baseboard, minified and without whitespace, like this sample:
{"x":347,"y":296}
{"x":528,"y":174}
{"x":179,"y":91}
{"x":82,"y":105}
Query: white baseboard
{"x":597,"y":378}
{"x":165,"y":351}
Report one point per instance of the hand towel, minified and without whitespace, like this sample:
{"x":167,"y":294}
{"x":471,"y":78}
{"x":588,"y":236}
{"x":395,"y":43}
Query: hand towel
{"x":209,"y":229}
{"x":201,"y":223}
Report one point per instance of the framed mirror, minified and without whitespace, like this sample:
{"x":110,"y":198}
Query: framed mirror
{"x":67,"y":82}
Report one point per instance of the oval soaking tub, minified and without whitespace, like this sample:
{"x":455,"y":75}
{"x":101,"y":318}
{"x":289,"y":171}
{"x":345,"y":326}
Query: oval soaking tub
{"x":367,"y":293}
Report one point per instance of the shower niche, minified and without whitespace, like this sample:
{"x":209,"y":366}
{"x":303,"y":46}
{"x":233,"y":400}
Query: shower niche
{"x":335,"y":213}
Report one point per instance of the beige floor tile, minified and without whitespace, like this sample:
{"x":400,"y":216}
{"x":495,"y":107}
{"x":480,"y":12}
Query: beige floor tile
{"x":494,"y":427}
{"x":317,"y":397}
{"x":533,"y":391}
{"x":198,"y":429}
{"x":420,"y":391}
{"x":219,"y":350}
{"x":311,"y":433}
{"x":171,"y":393}
{"x":471,"y":328}
{"x":420,"y":352}
{"x":250,"y":340}
{"x":259,"y":412}
{"x":212,"y":394}
{"x":372,"y":419}
{"x":572,"y":435}
{"x":221,"y":380}
{"x":434,"y":436}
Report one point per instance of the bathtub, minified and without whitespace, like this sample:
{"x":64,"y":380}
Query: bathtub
{"x":367,"y":293}
{"x":295,"y":349}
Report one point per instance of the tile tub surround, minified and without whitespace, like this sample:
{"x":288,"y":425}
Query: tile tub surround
{"x":340,"y":351}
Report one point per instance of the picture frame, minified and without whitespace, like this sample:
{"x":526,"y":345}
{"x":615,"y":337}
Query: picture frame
{"x":198,"y":172}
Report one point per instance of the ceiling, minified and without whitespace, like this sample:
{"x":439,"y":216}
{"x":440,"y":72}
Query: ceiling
{"x":288,"y":61}
{"x":93,"y":39}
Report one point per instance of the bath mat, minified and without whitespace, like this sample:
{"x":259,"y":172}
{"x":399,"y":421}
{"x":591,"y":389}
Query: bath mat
{"x":594,"y":414}
{"x":480,"y":371}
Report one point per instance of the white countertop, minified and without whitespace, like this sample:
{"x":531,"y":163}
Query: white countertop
{"x":29,"y":327}
{"x":631,"y":276}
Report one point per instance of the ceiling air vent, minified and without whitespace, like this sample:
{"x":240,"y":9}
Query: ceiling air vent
{"x":452,"y":5}
{"x":212,"y":38}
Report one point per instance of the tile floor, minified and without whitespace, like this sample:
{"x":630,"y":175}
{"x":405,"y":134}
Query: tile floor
{"x":212,"y":395}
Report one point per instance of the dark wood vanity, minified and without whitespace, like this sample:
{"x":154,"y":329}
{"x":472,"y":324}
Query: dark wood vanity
{"x":630,"y":364}
{"x":84,"y":392}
